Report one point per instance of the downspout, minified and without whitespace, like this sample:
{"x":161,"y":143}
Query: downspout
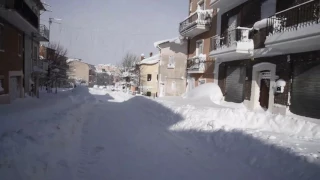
{"x":158,"y":84}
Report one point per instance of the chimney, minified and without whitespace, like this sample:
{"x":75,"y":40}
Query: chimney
{"x":142,"y":57}
{"x":151,"y":54}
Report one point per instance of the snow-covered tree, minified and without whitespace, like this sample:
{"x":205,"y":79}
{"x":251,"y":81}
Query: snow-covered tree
{"x":57,"y":66}
{"x":130,"y":71}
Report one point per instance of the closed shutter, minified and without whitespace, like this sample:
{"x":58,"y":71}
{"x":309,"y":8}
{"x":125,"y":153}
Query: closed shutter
{"x":305,"y":93}
{"x":235,"y":84}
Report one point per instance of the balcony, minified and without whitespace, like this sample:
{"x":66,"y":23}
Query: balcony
{"x":20,"y":15}
{"x":197,"y":23}
{"x":198,"y":64}
{"x":232,"y":45}
{"x":295,"y":29}
{"x":43,"y":34}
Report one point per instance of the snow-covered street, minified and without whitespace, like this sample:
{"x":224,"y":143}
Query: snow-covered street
{"x":99,"y":134}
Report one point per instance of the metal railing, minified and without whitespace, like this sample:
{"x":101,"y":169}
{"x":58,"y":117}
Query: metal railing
{"x":302,"y":15}
{"x":196,"y":64}
{"x":201,"y":17}
{"x":44,"y":31}
{"x":229,"y":38}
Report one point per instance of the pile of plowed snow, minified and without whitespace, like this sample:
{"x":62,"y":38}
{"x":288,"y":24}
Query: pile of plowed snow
{"x":208,"y":90}
{"x":224,"y":115}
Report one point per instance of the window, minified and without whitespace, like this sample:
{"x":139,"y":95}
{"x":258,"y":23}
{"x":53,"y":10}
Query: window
{"x":199,"y":47}
{"x":1,"y":37}
{"x":172,"y":62}
{"x":149,"y":77}
{"x":20,"y":45}
{"x":201,"y":5}
{"x":173,"y":86}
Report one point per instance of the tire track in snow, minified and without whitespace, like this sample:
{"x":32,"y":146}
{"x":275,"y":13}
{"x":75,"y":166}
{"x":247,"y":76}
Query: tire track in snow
{"x":89,"y":152}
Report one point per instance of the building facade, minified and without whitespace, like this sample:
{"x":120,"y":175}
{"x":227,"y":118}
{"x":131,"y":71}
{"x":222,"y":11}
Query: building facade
{"x":172,"y":67}
{"x":79,"y":71}
{"x":148,"y":76}
{"x":267,"y":54}
{"x":20,"y":34}
{"x":198,"y":28}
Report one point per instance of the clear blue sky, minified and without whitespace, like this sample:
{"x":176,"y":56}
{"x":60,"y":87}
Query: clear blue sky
{"x":102,"y":31}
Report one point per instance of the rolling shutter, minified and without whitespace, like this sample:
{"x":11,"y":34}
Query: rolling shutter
{"x":235,"y":84}
{"x":305,"y":92}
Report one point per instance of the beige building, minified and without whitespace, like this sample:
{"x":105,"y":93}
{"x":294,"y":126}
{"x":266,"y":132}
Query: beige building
{"x":172,"y":67}
{"x":149,"y":68}
{"x":78,"y":71}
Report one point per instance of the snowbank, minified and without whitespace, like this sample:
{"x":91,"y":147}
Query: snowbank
{"x":225,"y":118}
{"x":208,"y":90}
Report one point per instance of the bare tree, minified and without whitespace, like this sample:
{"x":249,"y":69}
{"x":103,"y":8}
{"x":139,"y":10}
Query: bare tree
{"x":129,"y":61}
{"x":130,"y":70}
{"x":58,"y":66}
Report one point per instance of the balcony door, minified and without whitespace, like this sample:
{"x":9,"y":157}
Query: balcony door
{"x":232,"y":25}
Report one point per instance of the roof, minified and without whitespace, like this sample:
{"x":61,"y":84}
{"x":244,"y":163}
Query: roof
{"x":70,"y":60}
{"x":175,"y":40}
{"x":151,"y":60}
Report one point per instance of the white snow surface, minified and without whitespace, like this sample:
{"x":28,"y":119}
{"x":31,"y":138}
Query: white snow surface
{"x":151,"y":60}
{"x":261,"y":24}
{"x":208,"y":90}
{"x":99,"y":134}
{"x":176,"y":40}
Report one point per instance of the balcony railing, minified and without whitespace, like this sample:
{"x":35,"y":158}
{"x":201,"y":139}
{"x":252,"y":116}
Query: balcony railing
{"x":200,"y":17}
{"x":302,"y":15}
{"x":44,"y":31}
{"x":230,"y":38}
{"x":198,"y":64}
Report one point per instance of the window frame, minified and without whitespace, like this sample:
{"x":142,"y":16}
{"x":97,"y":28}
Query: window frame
{"x":1,"y":37}
{"x":148,"y":77}
{"x":201,"y":41}
{"x":171,"y":62}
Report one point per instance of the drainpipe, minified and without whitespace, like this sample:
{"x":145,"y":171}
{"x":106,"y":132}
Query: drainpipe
{"x":158,"y":84}
{"x":291,"y":78}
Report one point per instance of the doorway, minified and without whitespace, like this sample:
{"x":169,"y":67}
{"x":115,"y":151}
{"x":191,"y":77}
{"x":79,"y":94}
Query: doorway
{"x":264,"y":89}
{"x":264,"y":93}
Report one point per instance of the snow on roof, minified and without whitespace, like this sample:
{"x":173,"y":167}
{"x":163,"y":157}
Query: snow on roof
{"x":175,"y":40}
{"x":70,"y":60}
{"x":151,"y":60}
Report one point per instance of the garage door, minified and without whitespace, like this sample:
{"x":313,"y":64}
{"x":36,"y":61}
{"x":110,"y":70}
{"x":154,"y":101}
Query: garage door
{"x":235,"y":79}
{"x":305,"y":92}
{"x":14,"y":91}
